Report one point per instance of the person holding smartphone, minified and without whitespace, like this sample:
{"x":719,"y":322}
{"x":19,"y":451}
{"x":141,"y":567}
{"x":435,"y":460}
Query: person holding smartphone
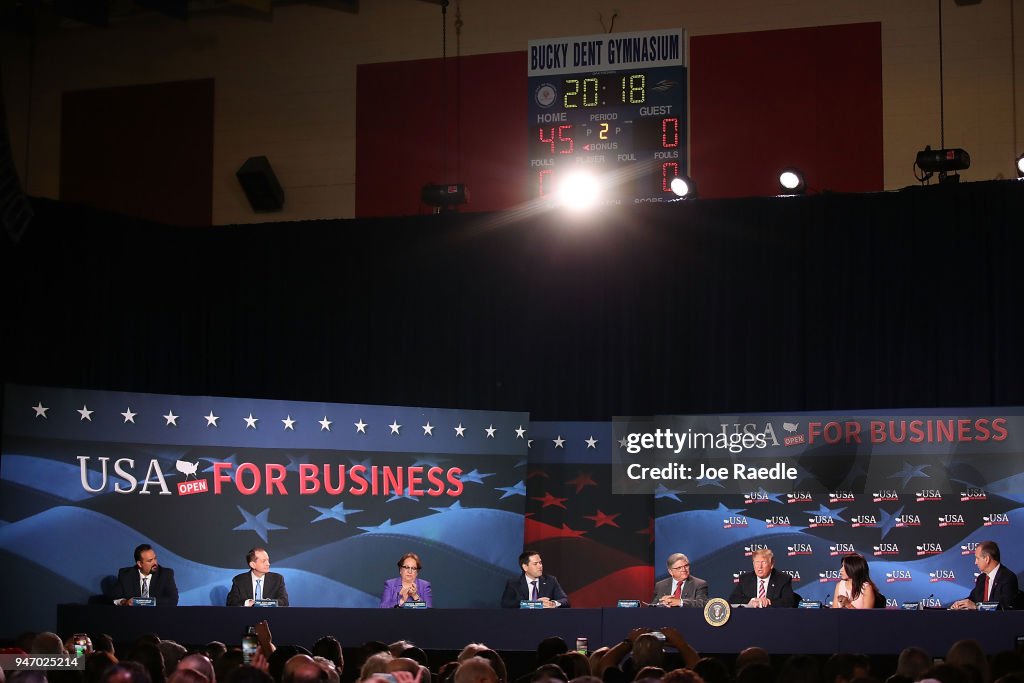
{"x":408,"y":586}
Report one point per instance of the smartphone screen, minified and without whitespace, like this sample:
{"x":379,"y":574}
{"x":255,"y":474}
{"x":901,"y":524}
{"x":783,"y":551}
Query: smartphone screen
{"x":250,"y":645}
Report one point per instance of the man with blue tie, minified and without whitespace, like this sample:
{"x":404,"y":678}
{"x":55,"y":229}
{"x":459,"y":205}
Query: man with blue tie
{"x":145,"y":579}
{"x":257,"y":584}
{"x":533,"y":585}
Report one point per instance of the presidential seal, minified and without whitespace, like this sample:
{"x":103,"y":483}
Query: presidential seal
{"x":717,"y":612}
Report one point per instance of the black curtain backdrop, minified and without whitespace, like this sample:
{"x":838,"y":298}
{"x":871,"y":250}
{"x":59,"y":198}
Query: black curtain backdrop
{"x":902,"y":299}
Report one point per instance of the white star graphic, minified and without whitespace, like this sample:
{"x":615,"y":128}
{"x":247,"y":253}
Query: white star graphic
{"x":171,"y":418}
{"x":459,"y":431}
{"x":250,"y":422}
{"x":520,"y":432}
{"x":211,"y":419}
{"x":558,"y":441}
{"x":85,"y":413}
{"x":325,"y":424}
{"x":288,"y":423}
{"x":428,"y":429}
{"x":394,"y":426}
{"x":591,"y":442}
{"x":360,"y":426}
{"x":40,"y":410}
{"x":490,"y":429}
{"x":129,"y":416}
{"x":622,"y":442}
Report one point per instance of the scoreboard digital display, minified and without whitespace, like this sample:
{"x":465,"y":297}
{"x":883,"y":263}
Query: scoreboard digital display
{"x":613,"y":105}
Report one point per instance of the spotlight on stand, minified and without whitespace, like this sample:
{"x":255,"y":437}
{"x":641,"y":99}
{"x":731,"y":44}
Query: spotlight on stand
{"x":1020,"y":166}
{"x":791,"y":181}
{"x":683,"y":187}
{"x":942,"y":161}
{"x":444,"y":197}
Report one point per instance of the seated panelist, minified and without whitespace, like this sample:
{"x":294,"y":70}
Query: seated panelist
{"x":855,"y":590}
{"x":259,"y":583}
{"x":145,"y":579}
{"x":408,"y":586}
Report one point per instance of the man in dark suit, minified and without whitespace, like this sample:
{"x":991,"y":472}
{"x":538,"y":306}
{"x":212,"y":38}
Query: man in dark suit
{"x":145,"y":579}
{"x":765,"y":586}
{"x":680,"y":589}
{"x":533,"y":584}
{"x":995,"y":582}
{"x":257,"y":584}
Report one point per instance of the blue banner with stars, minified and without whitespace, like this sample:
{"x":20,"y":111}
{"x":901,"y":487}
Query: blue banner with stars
{"x":335,"y":492}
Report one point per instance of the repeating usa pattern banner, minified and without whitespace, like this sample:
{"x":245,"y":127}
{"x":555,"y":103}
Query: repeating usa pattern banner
{"x":335,"y":492}
{"x":912,"y":492}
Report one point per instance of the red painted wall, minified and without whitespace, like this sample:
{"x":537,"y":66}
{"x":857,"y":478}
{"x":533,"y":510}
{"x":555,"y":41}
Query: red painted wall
{"x":759,"y":101}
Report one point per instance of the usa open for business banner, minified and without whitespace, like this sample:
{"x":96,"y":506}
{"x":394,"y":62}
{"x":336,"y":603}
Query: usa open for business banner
{"x":914,"y":492}
{"x":335,"y":492}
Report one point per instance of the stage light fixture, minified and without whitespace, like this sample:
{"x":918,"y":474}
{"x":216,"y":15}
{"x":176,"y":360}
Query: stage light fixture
{"x":444,"y":196}
{"x":791,"y":181}
{"x":683,"y":187}
{"x":1020,"y":166}
{"x":579,"y":191}
{"x":942,"y":161}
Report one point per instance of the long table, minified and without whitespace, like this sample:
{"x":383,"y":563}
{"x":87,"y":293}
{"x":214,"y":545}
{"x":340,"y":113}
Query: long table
{"x":780,"y":631}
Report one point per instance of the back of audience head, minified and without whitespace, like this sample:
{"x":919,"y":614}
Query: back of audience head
{"x":201,"y":663}
{"x":844,"y":667}
{"x":548,"y":672}
{"x":416,"y":654}
{"x":752,"y":655}
{"x":756,"y":672}
{"x":172,"y":653}
{"x":549,"y":648}
{"x":800,"y":669}
{"x":475,"y":670}
{"x":647,"y":651}
{"x":912,"y":662}
{"x":471,"y":650}
{"x":969,"y":656}
{"x":126,"y":672}
{"x":329,"y":648}
{"x":375,"y":664}
{"x":149,"y":656}
{"x":712,"y":670}
{"x":214,"y":650}
{"x":586,"y":679}
{"x":946,"y":673}
{"x":226,"y":664}
{"x":573,"y":663}
{"x":248,"y":674}
{"x":330,"y":671}
{"x":280,"y":656}
{"x":102,"y":642}
{"x":27,"y":676}
{"x":649,"y":673}
{"x":302,"y":668}
{"x":47,"y":643}
{"x":1005,"y":663}
{"x":683,"y":676}
{"x":96,"y":664}
{"x":187,"y":676}
{"x":496,"y":662}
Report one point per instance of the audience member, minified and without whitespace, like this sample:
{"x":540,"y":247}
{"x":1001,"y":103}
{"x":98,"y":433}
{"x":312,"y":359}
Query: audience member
{"x":148,"y":655}
{"x":756,"y":672}
{"x":800,"y":669}
{"x":96,"y":664}
{"x":969,"y":656}
{"x":683,"y":676}
{"x":712,"y":670}
{"x":475,"y":670}
{"x":912,"y":662}
{"x":172,"y":653}
{"x":201,"y":663}
{"x":126,"y":672}
{"x":751,"y":655}
{"x":329,"y":648}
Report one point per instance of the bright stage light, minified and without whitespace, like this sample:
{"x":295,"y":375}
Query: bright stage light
{"x":683,"y":187}
{"x":791,"y":181}
{"x":579,"y":191}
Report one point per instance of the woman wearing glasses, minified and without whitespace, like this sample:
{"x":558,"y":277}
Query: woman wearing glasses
{"x":408,"y":586}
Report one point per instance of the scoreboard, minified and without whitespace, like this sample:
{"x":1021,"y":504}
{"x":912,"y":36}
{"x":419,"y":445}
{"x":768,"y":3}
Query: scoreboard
{"x":612,"y":105}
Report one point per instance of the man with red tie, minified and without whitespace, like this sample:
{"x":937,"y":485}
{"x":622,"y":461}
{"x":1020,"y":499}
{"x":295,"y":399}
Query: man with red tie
{"x":680,"y":589}
{"x":995,"y":583}
{"x":765,"y":586}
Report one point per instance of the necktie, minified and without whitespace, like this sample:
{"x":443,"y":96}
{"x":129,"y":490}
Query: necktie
{"x":145,"y":586}
{"x":534,"y":595}
{"x":760,"y":588}
{"x":678,"y":593}
{"x":984,"y":594}
{"x":259,"y":589}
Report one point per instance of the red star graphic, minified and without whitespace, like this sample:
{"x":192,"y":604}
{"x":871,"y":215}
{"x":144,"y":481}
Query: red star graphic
{"x":536,"y":472}
{"x":549,"y":500}
{"x":584,"y":479}
{"x":601,"y":519}
{"x":649,"y":531}
{"x":571,"y":532}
